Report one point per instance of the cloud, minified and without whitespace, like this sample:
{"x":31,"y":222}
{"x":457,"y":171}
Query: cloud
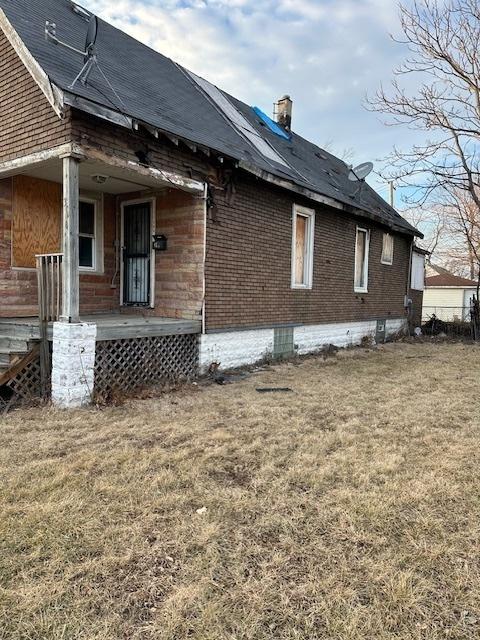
{"x":325,"y":53}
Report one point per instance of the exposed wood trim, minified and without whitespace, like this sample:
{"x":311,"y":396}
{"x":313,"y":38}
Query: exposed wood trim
{"x":151,"y":130}
{"x":52,"y":93}
{"x":172,"y":139}
{"x":98,"y":110}
{"x":19,"y":365}
{"x":71,"y":278}
{"x":164,"y":177}
{"x":12,"y":167}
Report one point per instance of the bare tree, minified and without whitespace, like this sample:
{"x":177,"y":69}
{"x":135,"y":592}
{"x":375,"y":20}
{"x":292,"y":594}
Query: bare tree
{"x":443,"y":40}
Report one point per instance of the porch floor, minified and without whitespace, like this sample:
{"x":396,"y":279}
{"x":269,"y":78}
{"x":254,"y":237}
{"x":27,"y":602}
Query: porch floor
{"x":112,"y":326}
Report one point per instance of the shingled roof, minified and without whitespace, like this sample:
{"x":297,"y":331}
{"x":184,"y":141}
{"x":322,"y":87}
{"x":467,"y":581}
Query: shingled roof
{"x":150,"y":88}
{"x":448,"y":280}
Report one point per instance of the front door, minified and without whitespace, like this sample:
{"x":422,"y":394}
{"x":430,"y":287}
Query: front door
{"x":137,"y":251}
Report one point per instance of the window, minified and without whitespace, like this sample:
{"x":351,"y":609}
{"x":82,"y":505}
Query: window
{"x":302,"y":247}
{"x":418,"y":271}
{"x":361,"y":260}
{"x":87,"y":229}
{"x":387,"y":249}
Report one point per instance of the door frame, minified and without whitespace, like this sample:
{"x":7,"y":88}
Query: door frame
{"x":153,"y":223}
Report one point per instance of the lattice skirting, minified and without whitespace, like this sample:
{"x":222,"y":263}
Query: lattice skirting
{"x":26,"y":385}
{"x":127,"y":364}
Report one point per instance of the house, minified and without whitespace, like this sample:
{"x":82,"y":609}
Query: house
{"x":168,"y":224}
{"x":446,"y":295}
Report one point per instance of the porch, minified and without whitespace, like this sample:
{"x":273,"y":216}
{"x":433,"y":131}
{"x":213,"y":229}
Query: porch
{"x":111,"y":253}
{"x":110,"y":326}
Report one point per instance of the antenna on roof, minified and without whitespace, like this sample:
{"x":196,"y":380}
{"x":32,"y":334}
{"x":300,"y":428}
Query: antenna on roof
{"x":360,"y":172}
{"x":89,"y":53}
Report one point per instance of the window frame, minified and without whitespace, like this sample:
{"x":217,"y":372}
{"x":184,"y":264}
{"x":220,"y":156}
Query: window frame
{"x":363,"y":289}
{"x":309,"y":214}
{"x":392,"y":238}
{"x":97,"y":249}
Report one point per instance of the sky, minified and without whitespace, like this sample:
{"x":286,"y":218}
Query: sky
{"x":326,"y":54}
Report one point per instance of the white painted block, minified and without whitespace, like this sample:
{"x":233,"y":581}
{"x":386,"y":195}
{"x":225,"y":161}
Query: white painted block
{"x":238,"y":348}
{"x":73,"y":363}
{"x":235,"y":348}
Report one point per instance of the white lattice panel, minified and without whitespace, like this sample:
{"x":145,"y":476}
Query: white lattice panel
{"x":128,"y":364}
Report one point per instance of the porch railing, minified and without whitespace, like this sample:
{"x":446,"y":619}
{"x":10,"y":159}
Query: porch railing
{"x":49,"y":278}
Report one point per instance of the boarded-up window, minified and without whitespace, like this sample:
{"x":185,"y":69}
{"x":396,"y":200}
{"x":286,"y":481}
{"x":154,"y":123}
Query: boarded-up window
{"x":387,"y":249}
{"x":418,"y":271}
{"x":36,"y":219}
{"x":361,"y":260}
{"x":302,"y":247}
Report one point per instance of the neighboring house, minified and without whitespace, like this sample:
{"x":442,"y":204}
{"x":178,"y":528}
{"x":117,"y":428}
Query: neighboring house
{"x":193,"y":229}
{"x":447,"y":296}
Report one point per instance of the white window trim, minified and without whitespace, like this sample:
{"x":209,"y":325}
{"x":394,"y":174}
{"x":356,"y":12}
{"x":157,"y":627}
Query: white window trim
{"x":98,"y":266}
{"x":383,"y":261}
{"x":153,"y":226}
{"x":365,"y":266}
{"x":310,"y":215}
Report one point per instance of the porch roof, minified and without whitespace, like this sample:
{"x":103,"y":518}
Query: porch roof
{"x":98,"y":171}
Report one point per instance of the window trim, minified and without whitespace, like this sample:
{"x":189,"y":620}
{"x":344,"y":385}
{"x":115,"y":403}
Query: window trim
{"x":382,"y":259}
{"x":309,"y":214}
{"x":98,"y":266}
{"x":363,"y":289}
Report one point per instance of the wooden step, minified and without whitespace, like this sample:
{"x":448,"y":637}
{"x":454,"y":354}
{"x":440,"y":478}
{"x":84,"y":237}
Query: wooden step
{"x":14,"y":345}
{"x":17,"y":330}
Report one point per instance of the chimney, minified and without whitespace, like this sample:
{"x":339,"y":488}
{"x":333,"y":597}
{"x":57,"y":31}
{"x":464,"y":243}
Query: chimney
{"x":284,"y":112}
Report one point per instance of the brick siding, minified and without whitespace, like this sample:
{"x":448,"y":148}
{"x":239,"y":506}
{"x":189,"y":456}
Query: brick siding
{"x":248,"y":266}
{"x":28,"y":122}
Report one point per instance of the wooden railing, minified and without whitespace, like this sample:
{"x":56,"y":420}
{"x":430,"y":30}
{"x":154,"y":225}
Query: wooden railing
{"x":49,"y":278}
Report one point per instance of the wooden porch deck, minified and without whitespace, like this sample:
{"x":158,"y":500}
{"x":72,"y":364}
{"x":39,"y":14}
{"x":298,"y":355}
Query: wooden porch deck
{"x":112,"y":326}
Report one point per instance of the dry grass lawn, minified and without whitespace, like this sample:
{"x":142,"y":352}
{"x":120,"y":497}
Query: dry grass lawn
{"x":348,"y":509}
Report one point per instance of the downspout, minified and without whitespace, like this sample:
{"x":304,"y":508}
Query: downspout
{"x":204,"y":285}
{"x":408,"y":300}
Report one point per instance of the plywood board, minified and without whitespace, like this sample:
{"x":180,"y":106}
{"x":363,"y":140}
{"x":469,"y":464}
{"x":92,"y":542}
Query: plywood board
{"x":301,"y":233}
{"x":37,"y":206}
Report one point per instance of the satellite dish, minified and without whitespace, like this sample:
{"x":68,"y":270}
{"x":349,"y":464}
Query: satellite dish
{"x":91,"y":38}
{"x":360,"y":172}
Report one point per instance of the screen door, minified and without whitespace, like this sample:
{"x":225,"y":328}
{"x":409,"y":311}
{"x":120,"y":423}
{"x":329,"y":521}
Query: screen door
{"x":137,"y":249}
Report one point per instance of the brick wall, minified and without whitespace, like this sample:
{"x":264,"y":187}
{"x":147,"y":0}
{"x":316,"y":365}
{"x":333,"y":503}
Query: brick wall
{"x":178,"y":270}
{"x":248,"y":265}
{"x":28,"y":122}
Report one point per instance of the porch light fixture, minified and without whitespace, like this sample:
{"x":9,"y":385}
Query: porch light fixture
{"x":99,"y":179}
{"x":159,"y":242}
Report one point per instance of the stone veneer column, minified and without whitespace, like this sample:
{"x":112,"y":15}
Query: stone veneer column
{"x":73,"y":363}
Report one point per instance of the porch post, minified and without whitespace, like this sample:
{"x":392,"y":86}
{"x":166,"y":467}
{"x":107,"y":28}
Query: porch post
{"x":71,"y":284}
{"x":73,"y":361}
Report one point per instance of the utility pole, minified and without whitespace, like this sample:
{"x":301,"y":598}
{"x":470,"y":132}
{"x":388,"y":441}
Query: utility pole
{"x":392,"y":193}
